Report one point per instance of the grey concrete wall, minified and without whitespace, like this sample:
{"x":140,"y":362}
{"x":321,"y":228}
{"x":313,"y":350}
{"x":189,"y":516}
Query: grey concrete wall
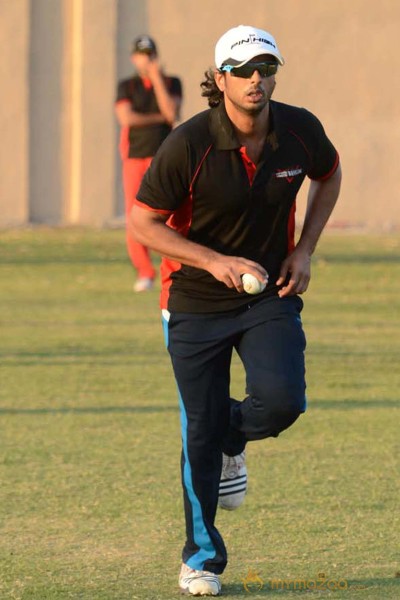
{"x":132,"y":20}
{"x":58,"y":156}
{"x":45,"y":112}
{"x":342,"y":63}
{"x":92,"y":77}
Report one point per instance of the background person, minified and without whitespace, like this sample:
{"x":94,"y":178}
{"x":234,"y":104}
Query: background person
{"x":218,"y":202}
{"x":147,"y":106}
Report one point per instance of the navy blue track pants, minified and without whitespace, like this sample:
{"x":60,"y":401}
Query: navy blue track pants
{"x":269,"y":339}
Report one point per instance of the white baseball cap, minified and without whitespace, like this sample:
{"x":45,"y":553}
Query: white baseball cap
{"x":239,"y":45}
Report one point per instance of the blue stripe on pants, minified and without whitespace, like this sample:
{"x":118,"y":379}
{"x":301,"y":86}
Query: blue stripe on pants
{"x":200,"y":534}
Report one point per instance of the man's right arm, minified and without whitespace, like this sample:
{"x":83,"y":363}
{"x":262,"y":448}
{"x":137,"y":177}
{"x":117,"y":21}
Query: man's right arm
{"x":150,"y":229}
{"x":127,"y":117}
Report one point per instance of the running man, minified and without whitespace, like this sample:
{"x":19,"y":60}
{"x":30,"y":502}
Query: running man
{"x":219,"y":201}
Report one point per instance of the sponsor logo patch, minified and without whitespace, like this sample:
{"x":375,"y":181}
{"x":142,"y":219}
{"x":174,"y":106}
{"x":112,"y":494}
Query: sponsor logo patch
{"x":288,"y":174}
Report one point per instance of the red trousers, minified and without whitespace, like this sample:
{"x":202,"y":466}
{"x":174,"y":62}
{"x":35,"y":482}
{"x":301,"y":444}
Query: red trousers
{"x":133,"y":170}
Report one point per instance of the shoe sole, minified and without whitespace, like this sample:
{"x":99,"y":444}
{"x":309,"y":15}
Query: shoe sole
{"x":187,"y":593}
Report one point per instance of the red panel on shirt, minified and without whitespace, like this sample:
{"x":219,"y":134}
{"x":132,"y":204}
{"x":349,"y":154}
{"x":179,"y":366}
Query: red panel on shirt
{"x":249,"y":165}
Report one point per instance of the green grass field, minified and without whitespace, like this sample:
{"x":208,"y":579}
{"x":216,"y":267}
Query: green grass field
{"x":90,"y":499}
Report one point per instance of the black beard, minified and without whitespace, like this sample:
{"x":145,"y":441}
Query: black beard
{"x":256,"y":110}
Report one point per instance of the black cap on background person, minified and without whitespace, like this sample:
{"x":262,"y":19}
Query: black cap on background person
{"x":144,"y":44}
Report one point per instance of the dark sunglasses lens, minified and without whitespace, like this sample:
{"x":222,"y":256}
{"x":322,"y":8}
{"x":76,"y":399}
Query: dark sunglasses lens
{"x":247,"y":70}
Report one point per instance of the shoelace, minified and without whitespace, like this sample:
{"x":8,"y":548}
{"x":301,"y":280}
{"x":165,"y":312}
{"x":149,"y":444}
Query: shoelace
{"x":194,"y":573}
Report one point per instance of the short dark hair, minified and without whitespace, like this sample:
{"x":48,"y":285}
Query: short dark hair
{"x":210,"y":89}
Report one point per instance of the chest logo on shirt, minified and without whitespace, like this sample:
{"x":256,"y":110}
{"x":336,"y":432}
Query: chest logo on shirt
{"x":288,"y":174}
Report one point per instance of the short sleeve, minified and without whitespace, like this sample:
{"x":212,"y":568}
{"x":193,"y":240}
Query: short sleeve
{"x":123,"y":91}
{"x":323,"y":154}
{"x":176,"y":87}
{"x":166,"y":184}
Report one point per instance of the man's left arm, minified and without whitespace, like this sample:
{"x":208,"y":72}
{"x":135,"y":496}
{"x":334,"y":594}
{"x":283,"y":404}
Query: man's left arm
{"x":322,"y":197}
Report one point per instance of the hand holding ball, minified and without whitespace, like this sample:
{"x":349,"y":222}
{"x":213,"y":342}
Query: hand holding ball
{"x":252,"y":285}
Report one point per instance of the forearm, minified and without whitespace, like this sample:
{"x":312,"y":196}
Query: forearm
{"x":135,"y":119}
{"x":150,"y":229}
{"x":322,"y":198}
{"x":166,"y":103}
{"x":171,"y":244}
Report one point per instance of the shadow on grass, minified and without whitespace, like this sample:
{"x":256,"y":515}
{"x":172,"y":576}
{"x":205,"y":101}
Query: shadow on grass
{"x":88,"y":410}
{"x":65,"y":260}
{"x":324,"y":404}
{"x":72,"y":356}
{"x":363,"y":259}
{"x":353,"y":404}
{"x":297,"y":587}
{"x":103,"y":259}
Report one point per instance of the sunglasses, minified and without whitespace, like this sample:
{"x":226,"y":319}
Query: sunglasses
{"x":266,"y":69}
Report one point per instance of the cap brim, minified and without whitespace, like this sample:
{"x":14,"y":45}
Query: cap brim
{"x":237,"y":63}
{"x":144,"y":50}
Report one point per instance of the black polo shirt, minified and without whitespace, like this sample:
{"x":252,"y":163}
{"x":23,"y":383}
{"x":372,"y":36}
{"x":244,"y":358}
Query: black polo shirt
{"x":217,"y":197}
{"x":144,"y":141}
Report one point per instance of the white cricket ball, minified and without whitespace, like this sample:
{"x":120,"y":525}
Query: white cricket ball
{"x":251,"y":284}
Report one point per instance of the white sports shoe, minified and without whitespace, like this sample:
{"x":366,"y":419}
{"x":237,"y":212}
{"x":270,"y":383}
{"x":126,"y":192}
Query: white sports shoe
{"x":143,"y":284}
{"x":233,"y":484}
{"x":198,"y":583}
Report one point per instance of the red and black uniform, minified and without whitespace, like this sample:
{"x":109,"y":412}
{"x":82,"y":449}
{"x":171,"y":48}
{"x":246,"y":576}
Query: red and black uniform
{"x":216,"y":196}
{"x":137,"y":147}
